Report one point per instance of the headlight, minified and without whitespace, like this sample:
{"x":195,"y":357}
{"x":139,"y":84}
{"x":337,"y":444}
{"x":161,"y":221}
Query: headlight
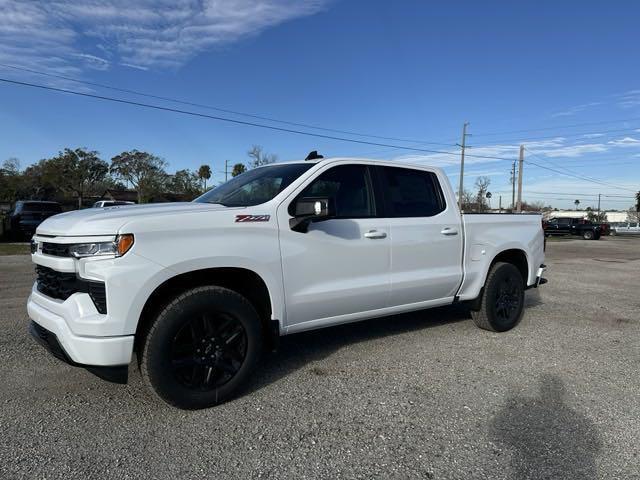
{"x":117,"y":248}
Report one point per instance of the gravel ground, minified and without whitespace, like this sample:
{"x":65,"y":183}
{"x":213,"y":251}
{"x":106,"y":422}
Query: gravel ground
{"x":423,"y":395}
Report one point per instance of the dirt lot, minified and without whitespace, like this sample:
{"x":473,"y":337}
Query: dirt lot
{"x":425,"y":395}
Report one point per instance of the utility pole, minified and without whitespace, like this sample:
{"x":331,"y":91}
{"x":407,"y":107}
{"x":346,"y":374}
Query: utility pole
{"x":226,"y":170}
{"x":520,"y":165}
{"x":462,"y":145}
{"x":598,"y":207}
{"x":500,"y":204}
{"x":513,"y":186}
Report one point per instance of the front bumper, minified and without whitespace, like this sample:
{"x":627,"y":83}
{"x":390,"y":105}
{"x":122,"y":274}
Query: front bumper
{"x":85,"y":350}
{"x":116,"y":374}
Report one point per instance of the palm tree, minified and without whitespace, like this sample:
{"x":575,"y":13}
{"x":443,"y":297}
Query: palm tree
{"x":576,"y":203}
{"x":204,"y":173}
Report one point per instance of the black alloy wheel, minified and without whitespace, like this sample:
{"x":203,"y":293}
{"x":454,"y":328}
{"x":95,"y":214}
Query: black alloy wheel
{"x":208,"y":351}
{"x":507,"y":299}
{"x":202,"y":347}
{"x":501,"y":303}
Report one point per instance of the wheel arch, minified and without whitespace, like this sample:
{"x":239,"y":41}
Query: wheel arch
{"x":242,"y":280}
{"x":517,"y":257}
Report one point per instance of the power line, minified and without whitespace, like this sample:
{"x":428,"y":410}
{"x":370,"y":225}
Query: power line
{"x":575,"y":125}
{"x":287,"y":130}
{"x":210,"y":107}
{"x":574,"y":194}
{"x":565,"y":199}
{"x":235,"y":121}
{"x":551,"y":137}
{"x":569,"y":174}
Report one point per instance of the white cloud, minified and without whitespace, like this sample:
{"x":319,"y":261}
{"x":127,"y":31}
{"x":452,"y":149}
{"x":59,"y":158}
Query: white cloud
{"x":593,"y":135}
{"x":574,"y":150}
{"x":137,"y":67}
{"x":576,"y":109}
{"x":65,"y":36}
{"x":93,"y":61}
{"x":625,"y":142}
{"x":481,"y":154}
{"x":629,"y":99}
{"x":553,"y":148}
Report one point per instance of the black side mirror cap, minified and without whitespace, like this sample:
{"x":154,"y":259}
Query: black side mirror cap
{"x":311,"y":209}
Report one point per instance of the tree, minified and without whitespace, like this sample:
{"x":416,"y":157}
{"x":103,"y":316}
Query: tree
{"x":40,"y":181}
{"x":576,"y":203}
{"x":595,"y":216}
{"x":534,"y":206}
{"x":10,"y":179}
{"x":144,"y":171}
{"x":78,"y":171}
{"x":468,"y":203}
{"x":482,"y":184}
{"x":259,"y":158}
{"x":633,"y":214}
{"x":11,"y":166}
{"x":204,"y":173}
{"x":185,"y":182}
{"x":238,"y":168}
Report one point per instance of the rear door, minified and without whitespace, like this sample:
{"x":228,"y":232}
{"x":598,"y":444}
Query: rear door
{"x":426,"y":237}
{"x":339,"y":269}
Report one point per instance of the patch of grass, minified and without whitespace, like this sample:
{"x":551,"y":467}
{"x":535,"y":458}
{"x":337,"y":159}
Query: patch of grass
{"x":14,"y":249}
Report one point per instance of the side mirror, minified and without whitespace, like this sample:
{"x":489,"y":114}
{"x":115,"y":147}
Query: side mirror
{"x":311,"y":209}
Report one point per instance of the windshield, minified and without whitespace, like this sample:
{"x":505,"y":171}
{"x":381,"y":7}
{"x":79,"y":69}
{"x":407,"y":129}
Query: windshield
{"x":255,"y":186}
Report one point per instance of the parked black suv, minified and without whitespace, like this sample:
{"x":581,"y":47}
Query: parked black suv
{"x":22,"y":221}
{"x":572,"y":226}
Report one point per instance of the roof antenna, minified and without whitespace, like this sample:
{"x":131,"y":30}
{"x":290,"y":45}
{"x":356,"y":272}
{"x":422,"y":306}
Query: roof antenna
{"x":314,"y":156}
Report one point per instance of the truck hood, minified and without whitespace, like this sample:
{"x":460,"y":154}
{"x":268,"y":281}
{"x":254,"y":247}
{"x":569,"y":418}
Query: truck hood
{"x":108,"y":221}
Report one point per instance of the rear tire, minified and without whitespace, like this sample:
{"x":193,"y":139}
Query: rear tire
{"x":588,"y":235}
{"x":502,"y":300}
{"x":202,"y":347}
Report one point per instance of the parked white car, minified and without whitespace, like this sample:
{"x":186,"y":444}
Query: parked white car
{"x":197,"y":290}
{"x":111,"y":203}
{"x":628,"y":229}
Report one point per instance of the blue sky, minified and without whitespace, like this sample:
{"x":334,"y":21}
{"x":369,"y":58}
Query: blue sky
{"x":518,"y":72}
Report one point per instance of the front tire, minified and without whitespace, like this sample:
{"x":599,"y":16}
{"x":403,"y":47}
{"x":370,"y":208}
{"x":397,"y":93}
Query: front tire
{"x":202,"y":347}
{"x":588,"y":235}
{"x":502,"y":301}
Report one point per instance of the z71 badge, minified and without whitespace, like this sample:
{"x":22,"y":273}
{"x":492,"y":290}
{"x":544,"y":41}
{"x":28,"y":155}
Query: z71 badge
{"x":252,"y":218}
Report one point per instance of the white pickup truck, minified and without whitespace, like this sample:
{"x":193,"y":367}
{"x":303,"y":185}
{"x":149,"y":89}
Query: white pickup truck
{"x":198,"y":290}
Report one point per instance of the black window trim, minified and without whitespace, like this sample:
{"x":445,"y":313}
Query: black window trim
{"x":387,"y":201}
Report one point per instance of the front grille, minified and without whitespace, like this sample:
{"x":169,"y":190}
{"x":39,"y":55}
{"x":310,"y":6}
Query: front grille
{"x":61,"y":285}
{"x":55,"y":249}
{"x":98,"y":295}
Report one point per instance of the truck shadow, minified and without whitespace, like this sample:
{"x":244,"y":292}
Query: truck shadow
{"x":546,"y":438}
{"x":297,"y":350}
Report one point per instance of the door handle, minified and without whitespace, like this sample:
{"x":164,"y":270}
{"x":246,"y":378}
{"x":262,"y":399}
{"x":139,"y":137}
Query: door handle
{"x":375,"y":234}
{"x":449,"y":231}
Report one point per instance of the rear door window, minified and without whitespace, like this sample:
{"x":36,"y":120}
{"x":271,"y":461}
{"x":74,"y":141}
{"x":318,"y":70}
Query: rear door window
{"x":411,"y":193}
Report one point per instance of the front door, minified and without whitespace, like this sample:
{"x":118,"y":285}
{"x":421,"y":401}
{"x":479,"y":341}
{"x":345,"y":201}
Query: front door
{"x":339,"y":269}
